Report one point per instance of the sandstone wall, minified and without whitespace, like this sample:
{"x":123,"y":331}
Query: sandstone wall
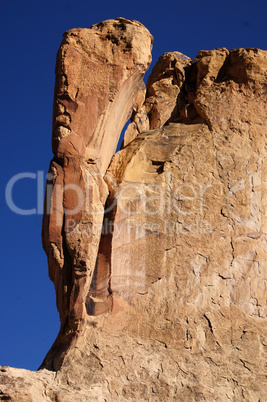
{"x":170,"y":303}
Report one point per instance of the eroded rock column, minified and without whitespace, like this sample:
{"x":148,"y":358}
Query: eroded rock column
{"x":99,"y":74}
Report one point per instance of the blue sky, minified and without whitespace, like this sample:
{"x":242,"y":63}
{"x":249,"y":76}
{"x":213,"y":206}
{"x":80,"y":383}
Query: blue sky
{"x":30,"y":34}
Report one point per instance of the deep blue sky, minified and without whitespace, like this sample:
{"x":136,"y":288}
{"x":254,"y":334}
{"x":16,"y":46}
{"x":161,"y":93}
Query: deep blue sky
{"x":30,"y":34}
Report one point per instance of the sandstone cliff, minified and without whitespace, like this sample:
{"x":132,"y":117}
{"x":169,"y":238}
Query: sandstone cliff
{"x":159,"y":257}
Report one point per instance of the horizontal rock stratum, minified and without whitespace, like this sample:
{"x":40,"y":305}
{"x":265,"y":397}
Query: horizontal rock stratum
{"x":158,"y":253}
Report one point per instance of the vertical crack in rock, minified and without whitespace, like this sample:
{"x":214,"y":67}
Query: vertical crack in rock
{"x":99,"y":298}
{"x":99,"y":75}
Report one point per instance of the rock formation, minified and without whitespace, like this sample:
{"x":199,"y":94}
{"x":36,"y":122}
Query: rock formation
{"x":99,"y":75}
{"x":159,"y":257}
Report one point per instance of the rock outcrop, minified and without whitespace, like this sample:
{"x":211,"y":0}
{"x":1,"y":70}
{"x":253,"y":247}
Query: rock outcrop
{"x":161,"y":286}
{"x":99,"y":76}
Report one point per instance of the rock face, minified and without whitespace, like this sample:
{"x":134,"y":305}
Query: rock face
{"x":99,"y":75}
{"x":161,"y":288}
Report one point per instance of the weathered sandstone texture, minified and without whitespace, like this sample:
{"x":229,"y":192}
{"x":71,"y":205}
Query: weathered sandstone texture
{"x":161,"y":276}
{"x":99,"y":74}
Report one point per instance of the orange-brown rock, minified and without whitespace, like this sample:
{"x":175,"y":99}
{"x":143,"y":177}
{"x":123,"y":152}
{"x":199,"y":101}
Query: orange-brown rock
{"x":99,"y":73}
{"x":160,"y":103}
{"x":175,"y":308}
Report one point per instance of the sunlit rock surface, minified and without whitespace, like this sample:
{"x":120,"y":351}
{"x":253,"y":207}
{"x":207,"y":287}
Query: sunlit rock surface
{"x":170,"y":300}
